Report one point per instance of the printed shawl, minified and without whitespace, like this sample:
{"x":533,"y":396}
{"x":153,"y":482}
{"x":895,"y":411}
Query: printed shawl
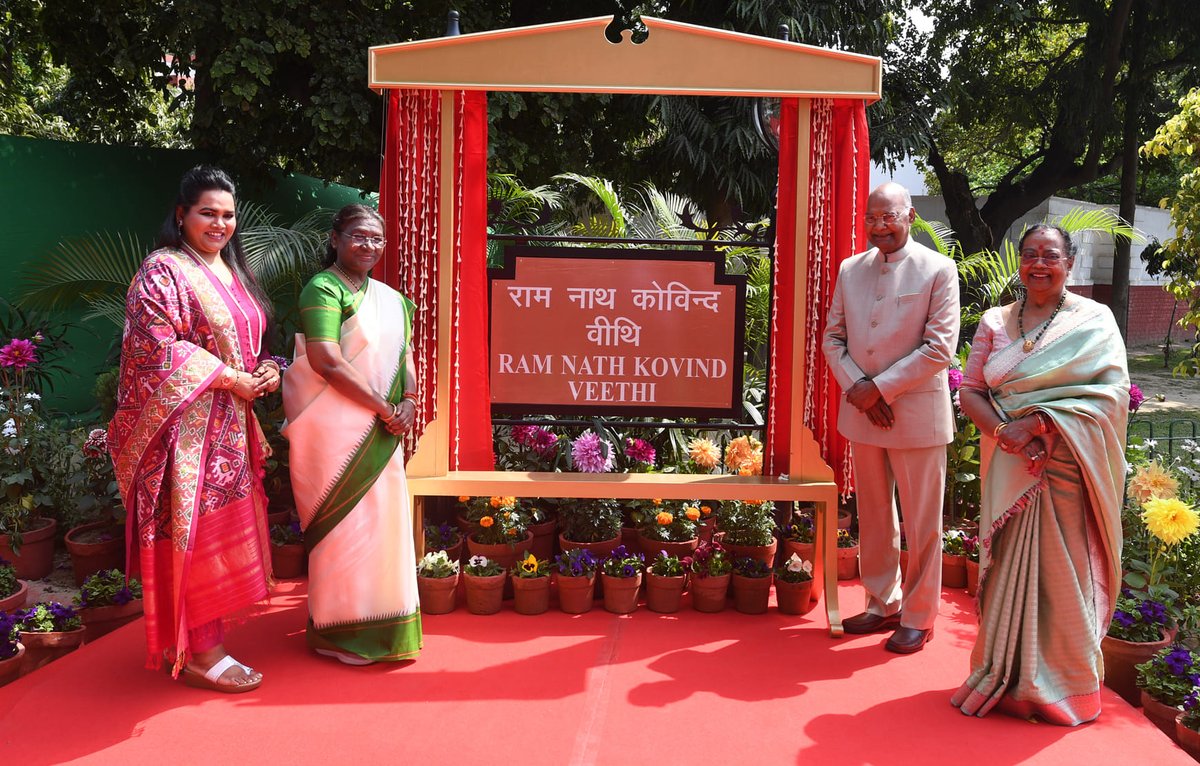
{"x":188,"y":456}
{"x":1050,"y":561}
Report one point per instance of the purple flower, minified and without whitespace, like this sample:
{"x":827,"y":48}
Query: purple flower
{"x":1124,"y":618}
{"x":1136,"y":397}
{"x":1178,"y":661}
{"x":19,"y":353}
{"x":591,"y":454}
{"x":639,"y":451}
{"x":954,"y":377}
{"x":123,"y":596}
{"x":628,"y":571}
{"x":1152,"y":611}
{"x":536,"y":438}
{"x":281,"y":361}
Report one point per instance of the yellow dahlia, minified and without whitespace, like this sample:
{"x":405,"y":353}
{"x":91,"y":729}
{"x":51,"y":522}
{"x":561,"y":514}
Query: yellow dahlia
{"x":664,"y":518}
{"x":1170,"y":519}
{"x":1152,"y":480}
{"x":737,"y":452}
{"x":704,"y":453}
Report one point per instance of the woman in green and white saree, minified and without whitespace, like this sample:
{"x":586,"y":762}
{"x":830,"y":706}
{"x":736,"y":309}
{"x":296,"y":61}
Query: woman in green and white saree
{"x":1047,"y":379}
{"x":349,"y":398}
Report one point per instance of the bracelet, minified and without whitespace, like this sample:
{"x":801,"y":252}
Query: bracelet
{"x":395,"y":411}
{"x":1043,"y":422}
{"x":1003,"y":424}
{"x":412,"y":397}
{"x":273,"y":364}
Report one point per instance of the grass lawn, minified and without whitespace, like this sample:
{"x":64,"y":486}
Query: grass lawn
{"x":1151,"y":361}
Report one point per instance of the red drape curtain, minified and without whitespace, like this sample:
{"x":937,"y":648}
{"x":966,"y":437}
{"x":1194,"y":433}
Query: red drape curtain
{"x":839,"y":174}
{"x":409,"y":199}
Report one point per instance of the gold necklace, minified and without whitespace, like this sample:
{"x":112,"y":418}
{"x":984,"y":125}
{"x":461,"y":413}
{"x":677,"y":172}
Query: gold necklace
{"x":347,"y":277}
{"x":1028,"y":345}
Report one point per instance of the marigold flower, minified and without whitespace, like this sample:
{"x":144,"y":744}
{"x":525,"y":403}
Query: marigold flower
{"x":1170,"y":519}
{"x":511,"y":532}
{"x":705,"y":510}
{"x":657,"y":501}
{"x":692,"y":512}
{"x":664,"y":518}
{"x":1152,"y":480}
{"x":464,"y":498}
{"x":486,"y":522}
{"x":509,"y":500}
{"x":495,"y":502}
{"x":704,"y":453}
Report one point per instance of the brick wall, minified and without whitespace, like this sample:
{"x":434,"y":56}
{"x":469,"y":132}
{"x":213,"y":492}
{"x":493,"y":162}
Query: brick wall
{"x":1149,"y":312}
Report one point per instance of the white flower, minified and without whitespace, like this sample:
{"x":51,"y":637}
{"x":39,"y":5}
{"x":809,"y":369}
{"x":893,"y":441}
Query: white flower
{"x":478,"y":561}
{"x":33,"y":395}
{"x":797,"y":564}
{"x":10,"y":428}
{"x":1151,"y":444}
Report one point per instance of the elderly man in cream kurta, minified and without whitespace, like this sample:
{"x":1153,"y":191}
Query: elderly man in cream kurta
{"x":891,"y":333}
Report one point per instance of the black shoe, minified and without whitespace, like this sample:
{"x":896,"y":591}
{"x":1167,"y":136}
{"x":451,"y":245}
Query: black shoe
{"x":870,"y":623}
{"x":908,"y":640}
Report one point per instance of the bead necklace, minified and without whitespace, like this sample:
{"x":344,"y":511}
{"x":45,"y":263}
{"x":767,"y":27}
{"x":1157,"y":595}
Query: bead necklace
{"x":347,"y":277}
{"x":1028,"y":345}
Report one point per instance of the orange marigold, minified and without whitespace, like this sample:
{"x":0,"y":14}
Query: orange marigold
{"x":705,"y":510}
{"x":692,"y":512}
{"x":496,"y":502}
{"x":464,"y":498}
{"x":664,"y":518}
{"x":486,"y":522}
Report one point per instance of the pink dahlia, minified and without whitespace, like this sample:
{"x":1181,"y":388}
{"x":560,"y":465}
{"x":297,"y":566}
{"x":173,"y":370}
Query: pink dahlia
{"x":1136,"y":397}
{"x":955,"y":378}
{"x":639,"y":451}
{"x":19,"y":353}
{"x":591,"y":454}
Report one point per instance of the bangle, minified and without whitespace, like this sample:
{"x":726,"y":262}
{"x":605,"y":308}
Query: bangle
{"x":395,"y":411}
{"x":411,"y":396}
{"x":1003,"y":424}
{"x":1043,"y":422}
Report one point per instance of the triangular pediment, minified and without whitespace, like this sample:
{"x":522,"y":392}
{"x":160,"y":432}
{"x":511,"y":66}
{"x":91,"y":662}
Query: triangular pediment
{"x":577,"y":57}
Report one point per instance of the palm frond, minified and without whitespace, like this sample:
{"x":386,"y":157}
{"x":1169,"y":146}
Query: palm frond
{"x":84,"y":270}
{"x":1099,"y":220}
{"x":941,"y":234}
{"x":607,"y":195}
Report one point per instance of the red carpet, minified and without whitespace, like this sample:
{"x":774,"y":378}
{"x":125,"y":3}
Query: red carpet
{"x":555,"y":689}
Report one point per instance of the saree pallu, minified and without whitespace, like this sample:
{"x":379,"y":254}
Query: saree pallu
{"x":351,"y":493}
{"x":1050,"y":560}
{"x":187,"y":456}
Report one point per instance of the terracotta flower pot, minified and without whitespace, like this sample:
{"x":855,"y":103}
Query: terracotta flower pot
{"x":454,"y":552}
{"x":36,"y":559}
{"x":708,"y":527}
{"x":954,"y":570}
{"x":438,"y":594}
{"x":1120,"y":657}
{"x":485,"y":595}
{"x":502,"y":553}
{"x":664,"y":594}
{"x":708,"y":593}
{"x":751,"y":594}
{"x":544,"y":535}
{"x":972,"y":577}
{"x":15,"y":601}
{"x":650,"y":548}
{"x":601,"y":550}
{"x":1188,"y":739}
{"x":575,"y":594}
{"x":763,"y":553}
{"x":794,"y":597}
{"x":629,"y":538}
{"x":287,"y":561}
{"x":1160,"y":714}
{"x":10,"y":669}
{"x":531,"y":595}
{"x":621,"y":593}
{"x":806,"y":551}
{"x":847,"y":563}
{"x":102,"y":620}
{"x":465,"y":528}
{"x":96,"y":547}
{"x":44,"y":648}
{"x":845,"y":518}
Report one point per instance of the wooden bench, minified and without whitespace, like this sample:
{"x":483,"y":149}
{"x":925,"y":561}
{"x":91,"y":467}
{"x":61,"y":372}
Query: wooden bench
{"x":668,"y":486}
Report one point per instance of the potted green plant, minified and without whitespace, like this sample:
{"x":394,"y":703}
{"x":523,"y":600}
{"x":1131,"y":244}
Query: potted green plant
{"x":593,"y":523}
{"x":1187,"y":724}
{"x":503,"y":533}
{"x":847,"y":555}
{"x":106,"y":602}
{"x":531,"y":585}
{"x":1166,"y":680}
{"x":26,"y":538}
{"x":800,"y":533}
{"x":665,"y":581}
{"x":12,"y":590}
{"x":793,"y":585}
{"x":669,"y":525}
{"x":748,"y":529}
{"x":575,"y":577}
{"x":48,"y":630}
{"x":954,"y":559}
{"x":79,"y":477}
{"x":710,"y":569}
{"x":288,"y":556}
{"x":751,"y":585}
{"x":444,"y":537}
{"x":621,"y":573}
{"x":484,"y":580}
{"x":12,"y":651}
{"x":437,"y":582}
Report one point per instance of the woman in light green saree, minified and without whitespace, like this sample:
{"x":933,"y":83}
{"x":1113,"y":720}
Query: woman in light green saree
{"x":348,"y":398}
{"x":1047,"y":379}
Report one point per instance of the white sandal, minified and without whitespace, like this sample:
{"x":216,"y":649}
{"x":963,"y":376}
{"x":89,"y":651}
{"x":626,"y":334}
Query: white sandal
{"x":346,"y":657}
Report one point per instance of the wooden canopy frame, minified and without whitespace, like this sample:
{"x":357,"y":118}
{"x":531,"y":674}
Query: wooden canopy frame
{"x":676,"y":59}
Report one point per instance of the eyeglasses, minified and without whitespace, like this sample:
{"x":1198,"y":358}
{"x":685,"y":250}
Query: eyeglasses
{"x":363,"y":240}
{"x":1049,"y":260}
{"x":888,"y":218}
